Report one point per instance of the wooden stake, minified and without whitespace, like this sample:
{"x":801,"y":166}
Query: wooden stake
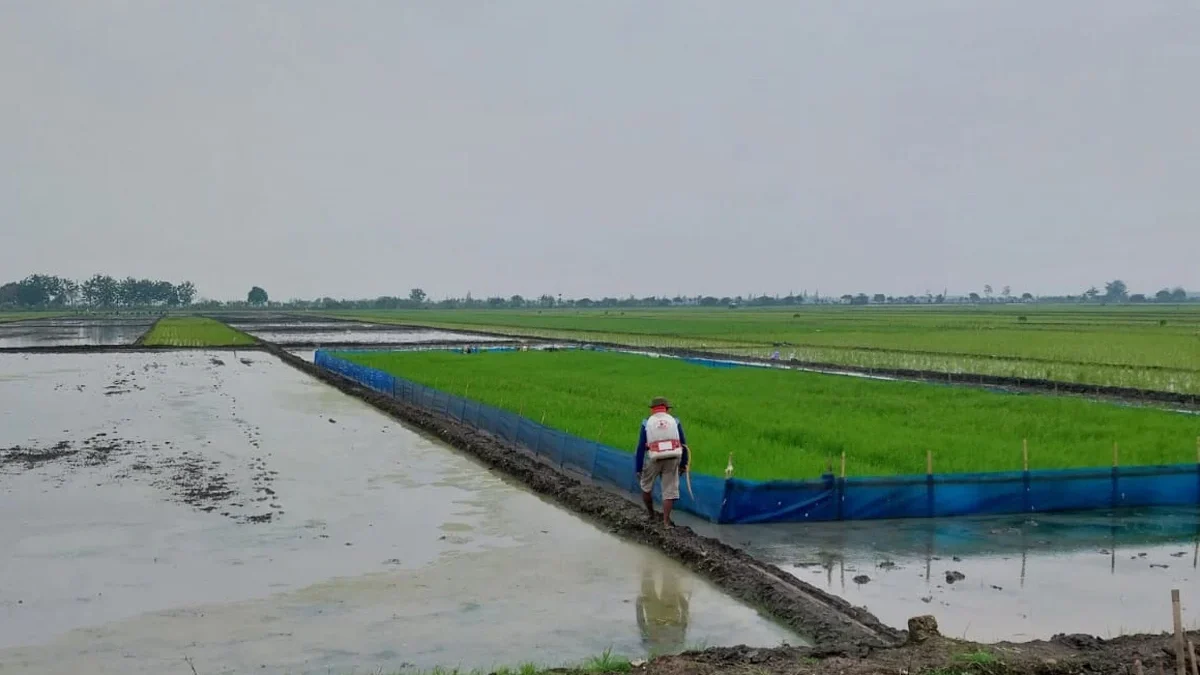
{"x":1177,"y":618}
{"x":1025,"y":453}
{"x":928,"y":462}
{"x":1192,"y":652}
{"x":1198,"y":449}
{"x":1137,"y":667}
{"x":843,"y":464}
{"x":1116,"y":455}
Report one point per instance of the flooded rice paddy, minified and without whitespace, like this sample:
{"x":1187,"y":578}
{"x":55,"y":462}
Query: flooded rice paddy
{"x":225,"y":508}
{"x":73,"y":332}
{"x":1022,"y":577}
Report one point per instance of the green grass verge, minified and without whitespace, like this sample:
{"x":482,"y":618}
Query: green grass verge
{"x":194,"y":331}
{"x":1150,"y":347}
{"x":788,"y":425}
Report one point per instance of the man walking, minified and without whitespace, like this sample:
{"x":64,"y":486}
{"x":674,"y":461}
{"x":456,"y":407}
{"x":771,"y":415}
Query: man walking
{"x":662,"y":451}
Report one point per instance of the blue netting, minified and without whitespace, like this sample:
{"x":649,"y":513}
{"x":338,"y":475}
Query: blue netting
{"x":828,"y":498}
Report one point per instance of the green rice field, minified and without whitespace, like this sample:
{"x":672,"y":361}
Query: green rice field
{"x":195,"y":331}
{"x":789,"y":425}
{"x":1147,"y":347}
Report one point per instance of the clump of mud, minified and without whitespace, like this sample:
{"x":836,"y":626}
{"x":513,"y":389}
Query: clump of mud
{"x":32,"y":457}
{"x":183,"y":476}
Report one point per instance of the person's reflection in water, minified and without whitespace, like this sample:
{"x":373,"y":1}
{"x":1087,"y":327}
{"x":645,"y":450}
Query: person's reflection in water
{"x":662,"y":611}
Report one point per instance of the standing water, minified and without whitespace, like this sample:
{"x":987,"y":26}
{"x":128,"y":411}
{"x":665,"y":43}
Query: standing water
{"x":226,"y":508}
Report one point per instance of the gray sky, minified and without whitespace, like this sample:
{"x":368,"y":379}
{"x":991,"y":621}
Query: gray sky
{"x":602,"y":147}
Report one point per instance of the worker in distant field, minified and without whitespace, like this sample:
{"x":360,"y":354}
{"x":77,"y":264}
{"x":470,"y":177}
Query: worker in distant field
{"x":662,"y":451}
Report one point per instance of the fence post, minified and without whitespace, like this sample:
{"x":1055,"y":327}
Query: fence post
{"x":929,"y":500}
{"x":1116,"y":469}
{"x":1026,"y":497}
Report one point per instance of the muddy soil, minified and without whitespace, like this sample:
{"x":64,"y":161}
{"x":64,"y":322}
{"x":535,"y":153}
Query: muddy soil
{"x":1061,"y":655}
{"x":182,"y":476}
{"x":826,"y":618}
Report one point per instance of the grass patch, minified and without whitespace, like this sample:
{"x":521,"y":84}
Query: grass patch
{"x":194,"y":331}
{"x":607,"y":663}
{"x":789,"y":425}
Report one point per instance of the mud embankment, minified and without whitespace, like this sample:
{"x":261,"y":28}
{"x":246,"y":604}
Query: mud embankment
{"x":826,"y":619}
{"x":1061,"y":655}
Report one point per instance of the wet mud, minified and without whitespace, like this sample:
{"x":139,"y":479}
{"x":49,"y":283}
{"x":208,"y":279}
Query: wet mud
{"x":181,"y":476}
{"x":1067,"y":654}
{"x":827,"y":619}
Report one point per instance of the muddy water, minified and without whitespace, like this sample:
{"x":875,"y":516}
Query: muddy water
{"x":72,"y":332}
{"x":1023,"y":577}
{"x":225,"y":508}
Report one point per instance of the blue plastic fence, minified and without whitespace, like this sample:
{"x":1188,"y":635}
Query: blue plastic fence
{"x":828,"y":498}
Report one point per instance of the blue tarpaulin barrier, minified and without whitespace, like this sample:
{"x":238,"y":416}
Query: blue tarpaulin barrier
{"x":827,"y":498}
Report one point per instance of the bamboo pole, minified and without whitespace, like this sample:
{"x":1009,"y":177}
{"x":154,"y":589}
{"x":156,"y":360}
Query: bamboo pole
{"x":928,"y":462}
{"x":843,"y":464}
{"x":1025,"y":453}
{"x":1177,"y":619}
{"x":1198,"y":449}
{"x":1116,"y":455}
{"x":1192,"y":653}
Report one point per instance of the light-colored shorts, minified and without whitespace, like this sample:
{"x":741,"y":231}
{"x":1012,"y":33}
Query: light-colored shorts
{"x":668,"y":469}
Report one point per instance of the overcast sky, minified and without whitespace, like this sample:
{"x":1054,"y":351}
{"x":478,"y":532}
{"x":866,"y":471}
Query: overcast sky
{"x":603,"y":147}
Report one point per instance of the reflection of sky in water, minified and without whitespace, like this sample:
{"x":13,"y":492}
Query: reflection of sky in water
{"x":1025,"y":576}
{"x":388,"y":549}
{"x":72,"y":332}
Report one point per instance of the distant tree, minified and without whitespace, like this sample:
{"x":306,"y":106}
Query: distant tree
{"x":1178,"y":294}
{"x":987,"y":291}
{"x":32,"y":291}
{"x":518,"y":301}
{"x":974,"y":296}
{"x":1027,"y":297}
{"x":547,"y":300}
{"x":417,"y":296}
{"x":1006,"y":292}
{"x":847,"y":298}
{"x":101,"y":291}
{"x":1137,"y":297}
{"x":1116,"y":291}
{"x":1091,"y":293}
{"x":880,"y":298}
{"x":185,"y":292}
{"x":1163,"y":296}
{"x":709,"y":301}
{"x":257,"y":296}
{"x":941,"y":298}
{"x":9,"y":294}
{"x":860,"y":299}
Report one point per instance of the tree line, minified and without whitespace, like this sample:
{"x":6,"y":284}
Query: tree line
{"x":46,"y":291}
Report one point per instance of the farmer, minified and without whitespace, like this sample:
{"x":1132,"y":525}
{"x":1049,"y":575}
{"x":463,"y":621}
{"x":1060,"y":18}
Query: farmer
{"x":662,"y":451}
